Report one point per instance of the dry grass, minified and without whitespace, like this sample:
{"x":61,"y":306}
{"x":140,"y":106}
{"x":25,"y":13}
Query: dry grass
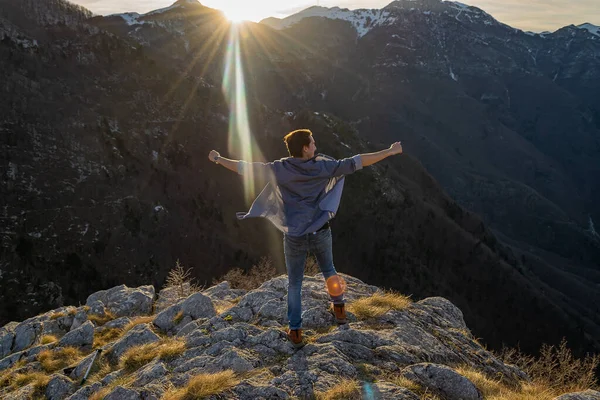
{"x":347,"y":389}
{"x":145,"y":319}
{"x":7,"y":375}
{"x":47,"y":339}
{"x":556,"y":368}
{"x":494,"y":389}
{"x":553,"y":373}
{"x":204,"y":385}
{"x":138,"y":356}
{"x":53,"y":360}
{"x":178,"y":317}
{"x":378,"y":304}
{"x":39,"y":380}
{"x":109,"y":335}
{"x":106,"y":336}
{"x":224,"y":305}
{"x":123,"y":381}
{"x":100,"y":320}
{"x":100,"y":369}
{"x":71,"y":311}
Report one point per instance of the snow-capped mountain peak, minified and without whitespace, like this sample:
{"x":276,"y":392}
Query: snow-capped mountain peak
{"x":363,"y":20}
{"x":133,"y":18}
{"x":593,"y":29}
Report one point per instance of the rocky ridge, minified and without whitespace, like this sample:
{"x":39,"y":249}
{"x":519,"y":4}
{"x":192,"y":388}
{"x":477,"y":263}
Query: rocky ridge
{"x":105,"y":179}
{"x":424,"y":343}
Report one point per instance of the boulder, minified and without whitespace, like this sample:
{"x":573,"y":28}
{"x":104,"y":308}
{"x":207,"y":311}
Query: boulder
{"x":443,"y":380}
{"x":123,"y":301}
{"x":59,"y":387}
{"x":82,"y":336}
{"x":586,"y":395}
{"x":138,"y":335}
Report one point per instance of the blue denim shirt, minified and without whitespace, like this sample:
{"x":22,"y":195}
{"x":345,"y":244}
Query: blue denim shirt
{"x":302,"y":195}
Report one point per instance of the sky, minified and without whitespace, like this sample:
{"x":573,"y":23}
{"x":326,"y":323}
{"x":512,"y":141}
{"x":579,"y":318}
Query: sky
{"x":529,"y":15}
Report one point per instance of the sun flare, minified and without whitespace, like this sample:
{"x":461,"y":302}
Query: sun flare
{"x":235,"y":14}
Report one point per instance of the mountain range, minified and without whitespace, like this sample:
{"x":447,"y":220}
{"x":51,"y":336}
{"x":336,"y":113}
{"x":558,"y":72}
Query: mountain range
{"x":107,"y":121}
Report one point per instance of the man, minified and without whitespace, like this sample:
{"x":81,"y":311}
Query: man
{"x":303,"y":194}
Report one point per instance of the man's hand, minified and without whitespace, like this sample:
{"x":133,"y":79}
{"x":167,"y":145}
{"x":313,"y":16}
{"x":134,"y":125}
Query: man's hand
{"x":396,"y":148}
{"x":213,"y":155}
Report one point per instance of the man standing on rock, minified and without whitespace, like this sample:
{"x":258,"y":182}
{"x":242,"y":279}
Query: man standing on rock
{"x":303,"y":195}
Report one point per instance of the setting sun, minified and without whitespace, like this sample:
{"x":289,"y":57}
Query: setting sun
{"x":235,"y":14}
{"x":242,"y":10}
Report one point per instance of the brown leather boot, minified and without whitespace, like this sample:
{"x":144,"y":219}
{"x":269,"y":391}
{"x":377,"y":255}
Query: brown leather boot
{"x":295,"y":336}
{"x":339,"y":312}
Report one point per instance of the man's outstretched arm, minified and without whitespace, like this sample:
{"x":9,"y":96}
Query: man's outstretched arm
{"x":372,"y":158}
{"x":215,"y":157}
{"x":252,"y":169}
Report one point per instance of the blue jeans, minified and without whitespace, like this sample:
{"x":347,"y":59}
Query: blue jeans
{"x":295,"y":249}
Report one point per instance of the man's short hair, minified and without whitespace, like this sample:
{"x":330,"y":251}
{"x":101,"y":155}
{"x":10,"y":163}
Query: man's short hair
{"x":296,"y":140}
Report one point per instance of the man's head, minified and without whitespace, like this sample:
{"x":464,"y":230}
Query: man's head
{"x":300,"y":143}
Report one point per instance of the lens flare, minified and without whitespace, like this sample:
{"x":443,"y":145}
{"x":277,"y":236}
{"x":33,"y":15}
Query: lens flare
{"x":240,"y":138}
{"x":336,"y":286}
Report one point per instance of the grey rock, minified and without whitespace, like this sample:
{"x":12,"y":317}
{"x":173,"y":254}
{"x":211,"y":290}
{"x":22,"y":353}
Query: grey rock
{"x":11,"y":359}
{"x":25,"y":392}
{"x":317,"y":317}
{"x":274,"y":339}
{"x":85,"y":392}
{"x":235,"y":359}
{"x":586,"y":395}
{"x":366,"y":338}
{"x":59,"y":387}
{"x":150,"y":373}
{"x":118,"y":323}
{"x":198,"y":338}
{"x":190,"y":327}
{"x":275,"y":309}
{"x":388,"y":391}
{"x":247,"y":391}
{"x":82,"y":336}
{"x":121,"y":393}
{"x":297,"y":383}
{"x":26,"y":333}
{"x":447,"y":315}
{"x":240,"y":331}
{"x":110,"y":378}
{"x":30,"y":355}
{"x":239,"y":314}
{"x":255,"y":299}
{"x":79,"y":319}
{"x":65,"y":321}
{"x":198,"y":306}
{"x":79,"y":371}
{"x":97,"y":308}
{"x":443,"y":380}
{"x":53,"y":327}
{"x":171,"y":295}
{"x":125,"y":302}
{"x":7,"y":337}
{"x":166,"y":319}
{"x":324,"y":358}
{"x":223,"y":291}
{"x":277,"y":284}
{"x":138,"y":335}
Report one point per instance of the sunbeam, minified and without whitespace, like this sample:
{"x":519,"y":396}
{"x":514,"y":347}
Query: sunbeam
{"x":240,"y":138}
